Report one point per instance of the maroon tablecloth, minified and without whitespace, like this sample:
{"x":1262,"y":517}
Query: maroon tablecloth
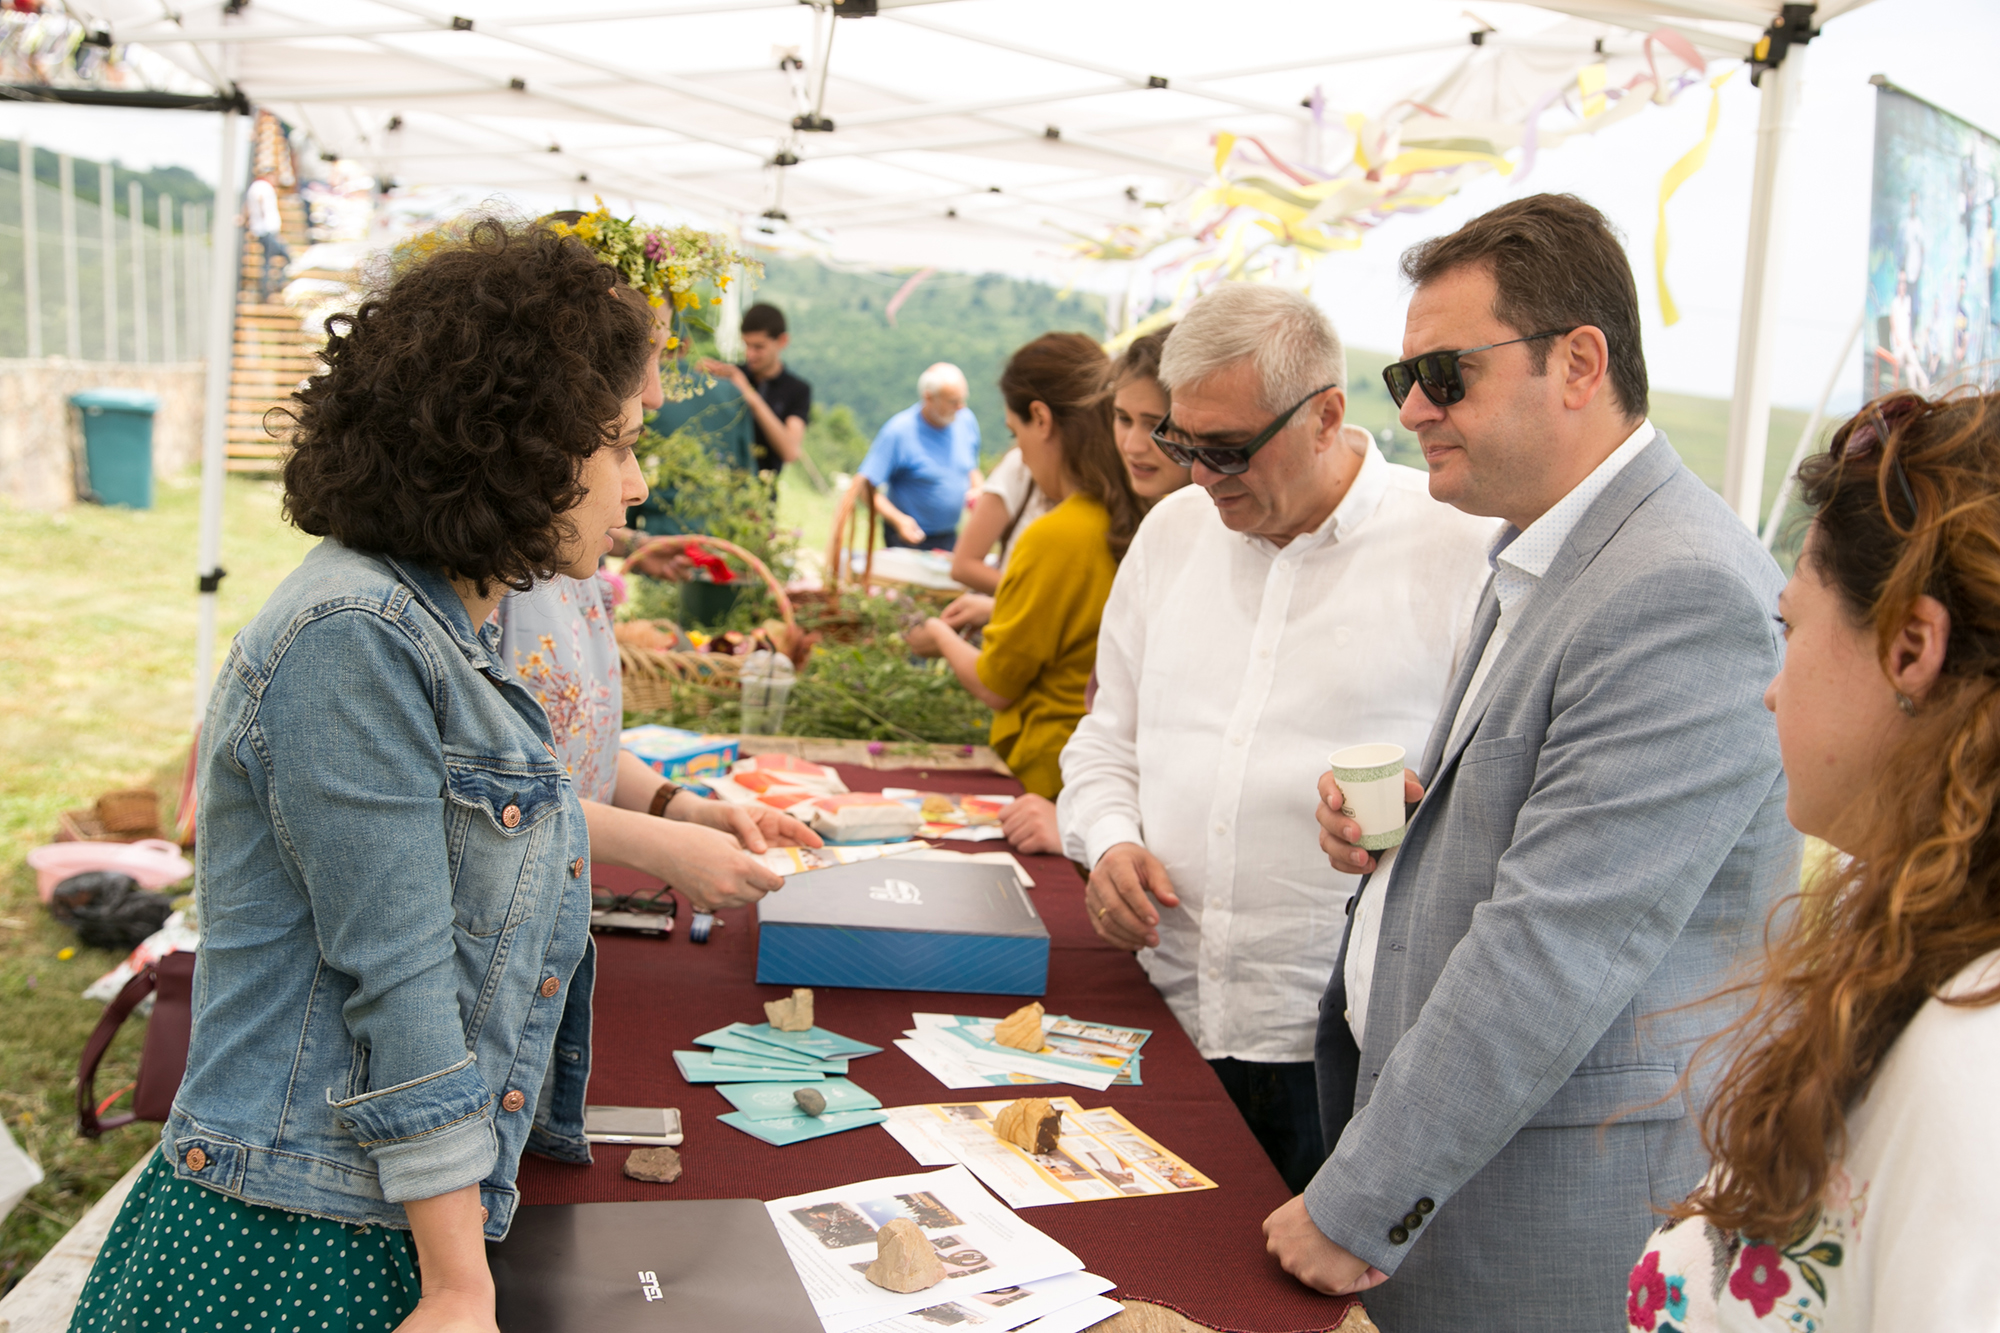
{"x":1202,"y":1253}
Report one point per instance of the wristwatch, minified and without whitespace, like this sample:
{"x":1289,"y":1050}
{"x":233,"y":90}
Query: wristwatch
{"x":663,"y":798}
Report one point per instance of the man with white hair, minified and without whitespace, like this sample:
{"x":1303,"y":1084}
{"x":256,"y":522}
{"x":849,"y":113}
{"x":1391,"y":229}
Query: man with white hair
{"x":925,"y":462}
{"x":1305,"y":595}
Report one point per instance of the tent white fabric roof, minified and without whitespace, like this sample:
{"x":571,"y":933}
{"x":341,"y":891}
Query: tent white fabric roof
{"x":976,"y":133}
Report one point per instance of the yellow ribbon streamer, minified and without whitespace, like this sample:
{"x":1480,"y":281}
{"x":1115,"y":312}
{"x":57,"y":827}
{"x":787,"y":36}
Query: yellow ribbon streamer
{"x":1677,"y":176}
{"x":1590,"y":88}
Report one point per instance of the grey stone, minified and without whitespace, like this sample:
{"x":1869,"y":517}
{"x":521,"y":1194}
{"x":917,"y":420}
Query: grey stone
{"x":661,"y":1166}
{"x":811,"y":1100}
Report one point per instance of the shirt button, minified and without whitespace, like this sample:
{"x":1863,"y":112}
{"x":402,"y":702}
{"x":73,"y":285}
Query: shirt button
{"x":1263,"y":652}
{"x":196,"y":1159}
{"x":576,"y":867}
{"x":1236,"y":740}
{"x":511,"y":816}
{"x":549,"y":987}
{"x":1215,"y":974}
{"x":1222,"y":828}
{"x":513,"y":1101}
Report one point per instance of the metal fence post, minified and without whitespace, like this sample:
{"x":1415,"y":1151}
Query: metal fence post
{"x":30,"y":259}
{"x":107,"y":268}
{"x":72,"y":291}
{"x":169,"y":339}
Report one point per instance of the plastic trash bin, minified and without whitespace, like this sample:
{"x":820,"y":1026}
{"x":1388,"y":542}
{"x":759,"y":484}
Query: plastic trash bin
{"x":118,"y":444}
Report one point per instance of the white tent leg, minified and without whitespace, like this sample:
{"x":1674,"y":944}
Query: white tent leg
{"x":1784,"y":496}
{"x":1750,"y":404}
{"x":223,"y":274}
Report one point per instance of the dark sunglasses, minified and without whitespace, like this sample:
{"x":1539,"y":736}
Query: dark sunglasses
{"x":1871,"y":430}
{"x":1231,"y":459}
{"x":1438,"y":373}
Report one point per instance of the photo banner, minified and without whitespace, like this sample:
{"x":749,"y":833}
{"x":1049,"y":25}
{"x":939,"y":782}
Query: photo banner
{"x":1933,"y":286}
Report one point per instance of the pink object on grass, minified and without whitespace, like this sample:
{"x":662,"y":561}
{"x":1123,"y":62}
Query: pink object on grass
{"x":154,"y":862}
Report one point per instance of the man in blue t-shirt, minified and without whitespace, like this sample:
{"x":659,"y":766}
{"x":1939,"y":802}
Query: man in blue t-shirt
{"x":925,"y":463}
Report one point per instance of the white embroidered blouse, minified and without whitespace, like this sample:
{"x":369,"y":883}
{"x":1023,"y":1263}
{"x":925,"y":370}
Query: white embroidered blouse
{"x":1909,"y":1234}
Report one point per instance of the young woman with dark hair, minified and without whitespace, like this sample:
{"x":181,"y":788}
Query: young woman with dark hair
{"x":1138,"y":406}
{"x":1855,"y":1186}
{"x":392,"y":1000}
{"x":1042,"y":641}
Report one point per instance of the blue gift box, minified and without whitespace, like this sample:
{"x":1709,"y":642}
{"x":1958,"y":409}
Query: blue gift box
{"x":892,"y":924}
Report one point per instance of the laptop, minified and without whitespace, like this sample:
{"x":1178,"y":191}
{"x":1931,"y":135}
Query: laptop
{"x":681,"y":1266}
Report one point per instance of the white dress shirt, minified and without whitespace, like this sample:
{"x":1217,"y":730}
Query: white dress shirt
{"x":1519,"y":560}
{"x":1228,"y":669}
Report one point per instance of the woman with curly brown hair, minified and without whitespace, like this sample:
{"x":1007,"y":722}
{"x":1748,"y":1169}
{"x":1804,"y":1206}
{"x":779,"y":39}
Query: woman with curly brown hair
{"x":392,"y":998}
{"x":1855,"y":1185}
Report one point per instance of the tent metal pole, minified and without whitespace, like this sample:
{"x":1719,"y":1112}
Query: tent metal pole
{"x":1756,"y":331}
{"x":1784,"y":496}
{"x":223,"y":274}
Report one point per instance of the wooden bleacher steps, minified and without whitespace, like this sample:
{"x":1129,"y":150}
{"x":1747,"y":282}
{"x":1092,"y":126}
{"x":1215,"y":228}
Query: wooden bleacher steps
{"x":272,"y":351}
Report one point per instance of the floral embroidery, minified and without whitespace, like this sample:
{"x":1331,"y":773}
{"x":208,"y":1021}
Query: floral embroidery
{"x":1759,"y":1279}
{"x":1645,"y":1293}
{"x":1677,"y":1297}
{"x":559,"y":641}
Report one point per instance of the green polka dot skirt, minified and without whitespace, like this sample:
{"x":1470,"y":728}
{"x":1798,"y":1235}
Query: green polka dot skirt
{"x":181,"y":1257}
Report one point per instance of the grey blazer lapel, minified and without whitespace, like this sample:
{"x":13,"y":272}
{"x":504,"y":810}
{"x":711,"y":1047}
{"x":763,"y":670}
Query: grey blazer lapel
{"x":1646,"y":473}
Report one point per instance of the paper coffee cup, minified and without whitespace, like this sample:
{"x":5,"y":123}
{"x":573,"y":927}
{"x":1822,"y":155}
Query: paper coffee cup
{"x":1371,"y":785}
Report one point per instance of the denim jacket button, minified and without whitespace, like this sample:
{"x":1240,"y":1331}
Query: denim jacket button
{"x":512,"y":1102}
{"x":511,"y":816}
{"x":549,"y":987}
{"x":576,"y":868}
{"x":484,"y":1216}
{"x":196,"y":1159}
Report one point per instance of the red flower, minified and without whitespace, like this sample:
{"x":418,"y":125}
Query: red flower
{"x":1646,"y":1292}
{"x":1759,"y":1279}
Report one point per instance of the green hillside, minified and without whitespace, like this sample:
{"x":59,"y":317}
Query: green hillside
{"x":842,"y":343}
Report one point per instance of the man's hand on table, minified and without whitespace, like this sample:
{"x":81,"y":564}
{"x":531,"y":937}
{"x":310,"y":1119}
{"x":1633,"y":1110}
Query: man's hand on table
{"x":1121,"y":893}
{"x":1339,"y":834}
{"x":1303,"y":1250}
{"x":1030,"y":824}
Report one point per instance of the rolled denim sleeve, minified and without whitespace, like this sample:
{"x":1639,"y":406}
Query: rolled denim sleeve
{"x":349,"y":733}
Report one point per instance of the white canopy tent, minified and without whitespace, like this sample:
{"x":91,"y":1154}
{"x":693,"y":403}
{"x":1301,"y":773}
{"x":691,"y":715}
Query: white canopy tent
{"x":958,"y":133}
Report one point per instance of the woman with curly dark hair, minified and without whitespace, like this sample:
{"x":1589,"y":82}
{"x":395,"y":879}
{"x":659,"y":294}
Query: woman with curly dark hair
{"x":392,"y":999}
{"x":1855,"y":1185}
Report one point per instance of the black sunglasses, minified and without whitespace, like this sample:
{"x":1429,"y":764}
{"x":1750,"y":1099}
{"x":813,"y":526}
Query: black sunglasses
{"x":1438,"y":373}
{"x":1231,"y":459}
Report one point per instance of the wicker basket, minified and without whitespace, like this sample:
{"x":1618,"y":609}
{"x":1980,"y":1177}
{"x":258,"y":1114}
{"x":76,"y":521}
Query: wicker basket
{"x":653,"y":680}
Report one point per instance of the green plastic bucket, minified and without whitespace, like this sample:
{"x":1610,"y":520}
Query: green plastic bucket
{"x":118,"y":444}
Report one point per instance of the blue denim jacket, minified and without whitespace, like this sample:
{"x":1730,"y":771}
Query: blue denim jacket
{"x":393,"y":994}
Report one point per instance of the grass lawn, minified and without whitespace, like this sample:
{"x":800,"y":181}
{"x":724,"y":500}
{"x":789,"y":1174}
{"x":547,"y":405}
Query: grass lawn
{"x":96,"y":692}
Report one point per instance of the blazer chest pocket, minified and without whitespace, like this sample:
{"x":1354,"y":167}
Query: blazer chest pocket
{"x":1486,"y":751}
{"x":497,"y":812}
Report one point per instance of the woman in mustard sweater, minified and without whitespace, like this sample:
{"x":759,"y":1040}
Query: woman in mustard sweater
{"x":1041,"y":644}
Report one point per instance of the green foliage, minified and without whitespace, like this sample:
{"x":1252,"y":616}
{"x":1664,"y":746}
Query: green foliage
{"x":843,"y":344}
{"x":835,"y":439}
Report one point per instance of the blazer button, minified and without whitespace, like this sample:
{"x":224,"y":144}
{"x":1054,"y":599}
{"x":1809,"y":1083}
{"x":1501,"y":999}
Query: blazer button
{"x":513,"y":1101}
{"x":511,"y":816}
{"x":1413,"y":1221}
{"x":576,"y":868}
{"x":1397,"y":1235}
{"x":549,"y":987}
{"x":1425,"y":1205}
{"x":196,"y":1159}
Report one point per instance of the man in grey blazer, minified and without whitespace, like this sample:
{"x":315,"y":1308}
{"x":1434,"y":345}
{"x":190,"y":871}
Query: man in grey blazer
{"x":1599,"y":829}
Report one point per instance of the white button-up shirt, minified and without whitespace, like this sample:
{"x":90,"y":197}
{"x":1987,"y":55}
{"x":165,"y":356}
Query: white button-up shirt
{"x":1228,"y":669}
{"x":1518,"y":559}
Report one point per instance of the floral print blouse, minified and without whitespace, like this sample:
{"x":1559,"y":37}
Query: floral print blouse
{"x":1908,"y":1234}
{"x":557,"y":639}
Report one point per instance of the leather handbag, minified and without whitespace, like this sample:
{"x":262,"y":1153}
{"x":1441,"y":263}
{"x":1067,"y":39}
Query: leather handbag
{"x":163,"y":1059}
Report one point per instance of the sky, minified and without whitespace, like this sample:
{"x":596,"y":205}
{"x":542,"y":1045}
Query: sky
{"x":1939,"y":49}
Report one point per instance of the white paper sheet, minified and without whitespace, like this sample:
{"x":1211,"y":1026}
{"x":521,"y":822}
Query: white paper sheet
{"x":992,"y":1311}
{"x":830,"y":1235}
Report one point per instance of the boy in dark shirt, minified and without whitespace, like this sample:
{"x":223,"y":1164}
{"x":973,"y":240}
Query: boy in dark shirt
{"x":780,"y":402}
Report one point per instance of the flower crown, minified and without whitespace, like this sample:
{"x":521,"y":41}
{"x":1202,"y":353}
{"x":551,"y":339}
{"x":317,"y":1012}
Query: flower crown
{"x":666,"y":264}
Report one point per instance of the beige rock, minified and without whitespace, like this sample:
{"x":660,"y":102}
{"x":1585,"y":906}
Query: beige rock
{"x":811,"y":1100}
{"x":904,"y":1259}
{"x":791,"y":1015}
{"x":1021,"y":1029}
{"x":661,"y":1166}
{"x":1032,"y":1124}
